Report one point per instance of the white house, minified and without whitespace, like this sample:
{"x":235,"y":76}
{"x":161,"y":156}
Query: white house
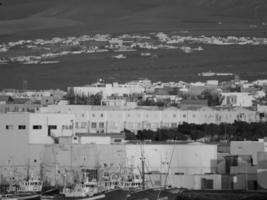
{"x":242,"y":99}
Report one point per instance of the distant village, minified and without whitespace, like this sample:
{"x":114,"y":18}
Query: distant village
{"x":50,"y":51}
{"x":204,"y":135}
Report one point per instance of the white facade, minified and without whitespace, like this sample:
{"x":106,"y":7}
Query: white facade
{"x":241,"y":99}
{"x":95,"y":140}
{"x":14,"y":135}
{"x":247,"y":148}
{"x":194,"y":182}
{"x":191,"y":158}
{"x":105,"y":119}
{"x":108,"y":90}
{"x":36,"y":128}
{"x":43,"y":126}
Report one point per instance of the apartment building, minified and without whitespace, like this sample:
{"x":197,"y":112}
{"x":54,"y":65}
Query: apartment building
{"x":110,"y":119}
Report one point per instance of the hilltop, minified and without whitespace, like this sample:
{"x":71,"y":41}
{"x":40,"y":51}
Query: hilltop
{"x":37,"y":18}
{"x":45,"y":19}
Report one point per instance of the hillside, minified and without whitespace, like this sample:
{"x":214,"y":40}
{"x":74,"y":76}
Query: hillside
{"x":56,"y":17}
{"x":31,"y":19}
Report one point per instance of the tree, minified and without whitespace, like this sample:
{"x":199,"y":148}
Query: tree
{"x":129,"y":135}
{"x":71,"y":96}
{"x":94,"y":99}
{"x":214,"y":99}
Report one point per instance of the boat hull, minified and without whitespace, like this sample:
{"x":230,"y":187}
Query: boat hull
{"x":22,"y":197}
{"x":117,"y":194}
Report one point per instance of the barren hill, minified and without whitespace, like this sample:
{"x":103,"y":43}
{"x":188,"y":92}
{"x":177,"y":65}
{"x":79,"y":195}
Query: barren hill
{"x":29,"y":19}
{"x":83,"y":16}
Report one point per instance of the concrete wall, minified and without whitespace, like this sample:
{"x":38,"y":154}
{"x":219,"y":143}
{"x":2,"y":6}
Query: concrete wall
{"x":247,"y":148}
{"x":195,"y":182}
{"x":95,"y":140}
{"x":56,"y":159}
{"x":184,"y":158}
{"x":62,"y":122}
{"x":14,"y":141}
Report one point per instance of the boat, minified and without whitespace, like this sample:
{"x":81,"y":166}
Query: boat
{"x":84,"y":189}
{"x":89,"y":190}
{"x":24,"y":196}
{"x":26,"y":190}
{"x":30,"y":186}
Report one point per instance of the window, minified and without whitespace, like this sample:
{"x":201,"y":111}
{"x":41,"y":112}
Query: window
{"x":9,"y":127}
{"x":184,"y":115}
{"x":52,"y":127}
{"x":21,"y":127}
{"x":174,"y":115}
{"x":101,"y":125}
{"x":67,"y":127}
{"x":101,"y":115}
{"x":93,"y":125}
{"x":93,"y":115}
{"x":83,"y":124}
{"x":117,"y":140}
{"x":36,"y":127}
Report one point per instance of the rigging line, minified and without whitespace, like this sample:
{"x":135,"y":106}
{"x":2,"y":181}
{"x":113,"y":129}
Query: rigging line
{"x":169,"y":166}
{"x":150,"y":179}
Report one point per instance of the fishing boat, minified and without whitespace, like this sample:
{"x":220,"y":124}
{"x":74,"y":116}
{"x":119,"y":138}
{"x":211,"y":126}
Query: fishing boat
{"x":84,"y":189}
{"x":26,"y":190}
{"x":90,"y":191}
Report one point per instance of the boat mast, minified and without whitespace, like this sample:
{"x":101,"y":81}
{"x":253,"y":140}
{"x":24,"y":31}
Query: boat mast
{"x":28,"y":170}
{"x":143,"y":166}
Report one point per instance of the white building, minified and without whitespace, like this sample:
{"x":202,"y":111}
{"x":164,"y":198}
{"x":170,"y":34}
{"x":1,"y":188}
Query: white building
{"x":108,"y":90}
{"x":37,"y":128}
{"x":247,"y":148}
{"x":241,"y":99}
{"x":192,"y":158}
{"x":108,"y":119}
